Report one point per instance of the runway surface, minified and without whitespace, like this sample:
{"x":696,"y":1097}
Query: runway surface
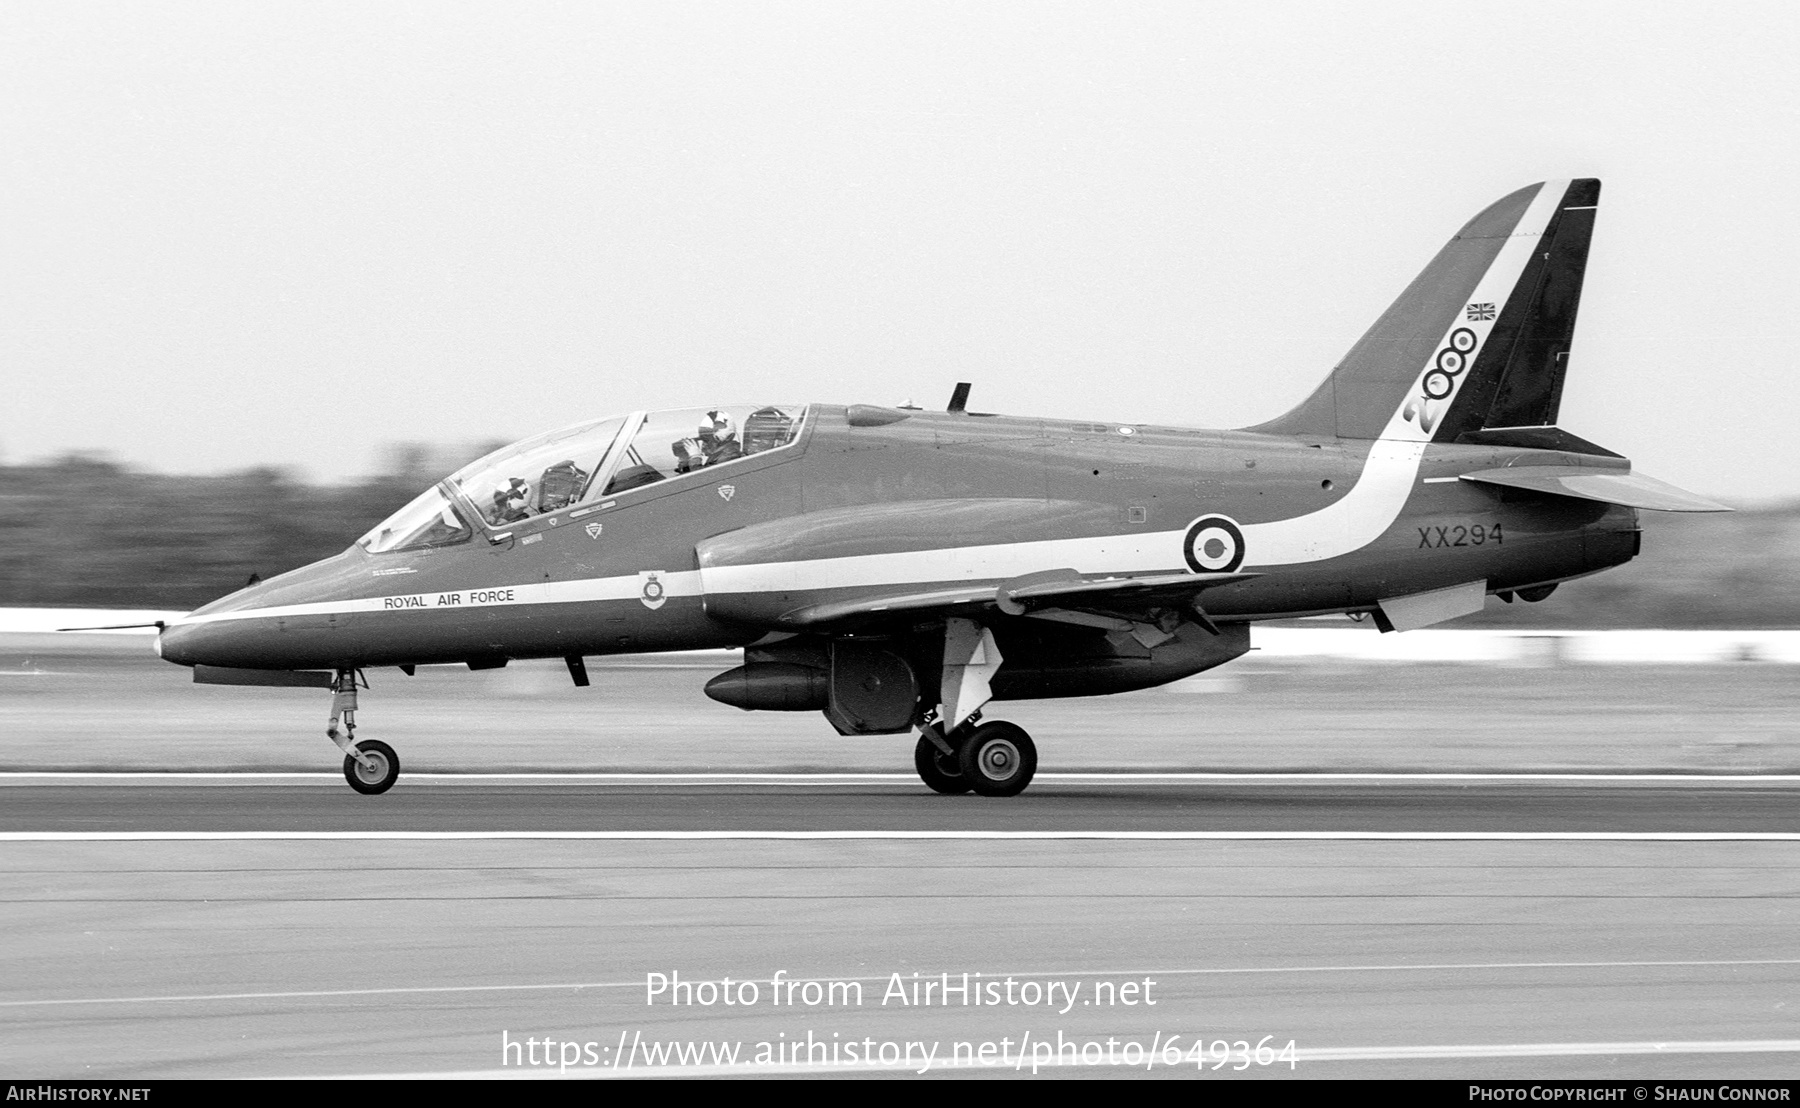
{"x":1625,"y":909}
{"x":1394,"y":805}
{"x":1415,"y":955}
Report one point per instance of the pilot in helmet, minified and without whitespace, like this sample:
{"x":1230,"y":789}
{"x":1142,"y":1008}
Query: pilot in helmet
{"x":510,"y":501}
{"x":714,"y":441}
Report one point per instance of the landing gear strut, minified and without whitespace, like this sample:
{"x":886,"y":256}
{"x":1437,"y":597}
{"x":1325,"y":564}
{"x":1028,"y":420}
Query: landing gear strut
{"x":954,"y":754}
{"x":371,"y":766}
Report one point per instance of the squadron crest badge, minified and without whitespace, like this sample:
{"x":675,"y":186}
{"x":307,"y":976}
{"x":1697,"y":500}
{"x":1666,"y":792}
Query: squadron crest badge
{"x":651,"y":591}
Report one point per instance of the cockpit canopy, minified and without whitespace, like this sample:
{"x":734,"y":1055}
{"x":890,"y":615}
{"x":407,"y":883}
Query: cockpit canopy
{"x":574,"y":465}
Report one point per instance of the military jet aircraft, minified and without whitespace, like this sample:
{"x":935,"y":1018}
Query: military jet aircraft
{"x":902,"y":570}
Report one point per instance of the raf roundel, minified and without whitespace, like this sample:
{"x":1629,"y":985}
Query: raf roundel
{"x":1214,"y":544}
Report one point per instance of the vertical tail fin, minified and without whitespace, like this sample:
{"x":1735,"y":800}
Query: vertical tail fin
{"x":1481,"y":336}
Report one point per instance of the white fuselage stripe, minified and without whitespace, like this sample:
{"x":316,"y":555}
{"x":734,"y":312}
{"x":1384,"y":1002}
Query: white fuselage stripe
{"x":580,"y":591}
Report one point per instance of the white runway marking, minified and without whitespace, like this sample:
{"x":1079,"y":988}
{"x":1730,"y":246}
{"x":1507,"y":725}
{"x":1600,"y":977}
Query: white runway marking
{"x":314,"y":994}
{"x":1204,"y":971}
{"x":1024,"y":1062}
{"x":1123,"y":836}
{"x":1548,"y":1050}
{"x":805,"y":780}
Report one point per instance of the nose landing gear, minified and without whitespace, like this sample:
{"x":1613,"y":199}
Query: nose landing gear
{"x":370,"y":766}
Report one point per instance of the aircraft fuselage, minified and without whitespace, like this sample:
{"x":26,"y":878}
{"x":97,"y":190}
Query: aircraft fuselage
{"x":928,"y":498}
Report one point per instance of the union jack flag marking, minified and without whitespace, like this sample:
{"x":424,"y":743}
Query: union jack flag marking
{"x":1480,"y":312}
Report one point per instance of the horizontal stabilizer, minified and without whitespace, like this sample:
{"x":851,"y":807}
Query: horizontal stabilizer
{"x":1633,"y":490}
{"x":1535,"y":438}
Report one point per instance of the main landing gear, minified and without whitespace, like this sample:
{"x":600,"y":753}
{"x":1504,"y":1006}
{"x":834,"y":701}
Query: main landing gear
{"x":989,"y":759}
{"x":957,"y":753}
{"x":371,"y":766}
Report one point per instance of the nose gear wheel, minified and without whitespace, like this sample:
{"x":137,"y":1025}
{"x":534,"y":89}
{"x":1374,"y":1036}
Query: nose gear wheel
{"x":380,"y":772}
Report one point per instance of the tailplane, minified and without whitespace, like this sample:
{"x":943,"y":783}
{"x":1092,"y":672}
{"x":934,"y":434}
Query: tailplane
{"x":1479,"y":339}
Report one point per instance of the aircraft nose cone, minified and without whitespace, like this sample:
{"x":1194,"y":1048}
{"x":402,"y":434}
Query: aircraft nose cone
{"x":268,"y":625}
{"x":234,"y":644}
{"x":176,"y":644}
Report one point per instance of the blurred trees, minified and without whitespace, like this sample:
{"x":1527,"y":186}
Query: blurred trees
{"x":86,"y":532}
{"x":1695,"y":570}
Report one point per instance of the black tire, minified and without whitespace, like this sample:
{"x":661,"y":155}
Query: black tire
{"x":387,"y":768}
{"x":942,"y":773}
{"x":998,"y":759}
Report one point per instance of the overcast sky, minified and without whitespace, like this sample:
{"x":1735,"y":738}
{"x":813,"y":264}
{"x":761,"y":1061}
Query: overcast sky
{"x":268,"y":233}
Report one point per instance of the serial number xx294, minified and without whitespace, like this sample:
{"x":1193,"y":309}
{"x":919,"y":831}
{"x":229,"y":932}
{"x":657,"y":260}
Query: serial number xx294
{"x":1473,"y":534}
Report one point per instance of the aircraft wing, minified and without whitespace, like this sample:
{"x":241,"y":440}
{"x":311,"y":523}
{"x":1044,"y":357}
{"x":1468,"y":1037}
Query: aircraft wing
{"x":1065,"y":588}
{"x":1633,"y":490}
{"x":1053,"y":589}
{"x":835,"y":611}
